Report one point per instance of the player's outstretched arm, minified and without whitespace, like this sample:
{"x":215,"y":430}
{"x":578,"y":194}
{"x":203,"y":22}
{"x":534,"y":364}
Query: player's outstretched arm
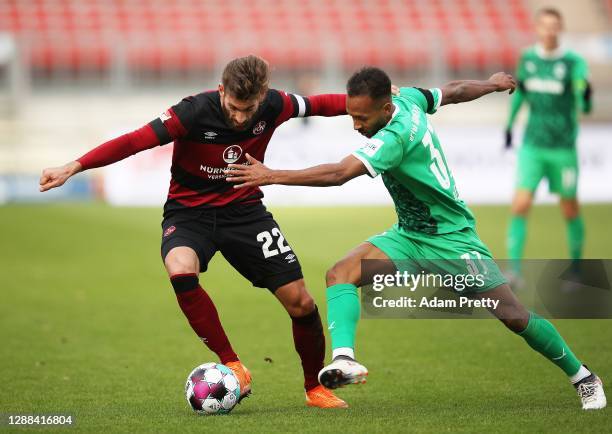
{"x":467,"y":90}
{"x":324,"y":175}
{"x":107,"y":153}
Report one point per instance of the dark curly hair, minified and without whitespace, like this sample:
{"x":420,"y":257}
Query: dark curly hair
{"x":370,"y":81}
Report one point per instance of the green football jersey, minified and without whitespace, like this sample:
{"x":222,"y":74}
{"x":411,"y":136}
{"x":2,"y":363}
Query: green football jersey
{"x":553,"y":86}
{"x":407,"y":153}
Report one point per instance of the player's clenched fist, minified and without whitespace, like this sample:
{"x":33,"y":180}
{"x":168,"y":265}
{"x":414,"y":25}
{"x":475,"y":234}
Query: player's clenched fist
{"x":503,"y":81}
{"x":56,"y":176}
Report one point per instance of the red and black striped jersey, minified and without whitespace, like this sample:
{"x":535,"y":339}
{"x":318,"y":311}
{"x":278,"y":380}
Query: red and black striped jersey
{"x":204,"y":144}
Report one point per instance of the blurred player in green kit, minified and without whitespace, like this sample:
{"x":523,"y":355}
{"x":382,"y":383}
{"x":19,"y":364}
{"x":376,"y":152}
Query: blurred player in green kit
{"x":553,"y":83}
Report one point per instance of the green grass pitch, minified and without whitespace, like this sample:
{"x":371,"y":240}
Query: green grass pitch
{"x":90,"y":326}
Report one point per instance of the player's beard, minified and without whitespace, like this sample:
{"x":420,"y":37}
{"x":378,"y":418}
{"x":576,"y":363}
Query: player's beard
{"x":232,"y":124}
{"x":242,"y":127}
{"x":376,"y":128}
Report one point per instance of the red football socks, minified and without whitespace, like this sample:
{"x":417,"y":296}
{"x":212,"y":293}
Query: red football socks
{"x":310,"y":345}
{"x":202,"y":315}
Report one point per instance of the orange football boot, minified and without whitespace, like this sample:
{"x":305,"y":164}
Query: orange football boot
{"x":322,"y":397}
{"x":243,"y":376}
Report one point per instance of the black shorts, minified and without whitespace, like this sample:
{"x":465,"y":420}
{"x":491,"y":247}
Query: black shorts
{"x":246,"y":235}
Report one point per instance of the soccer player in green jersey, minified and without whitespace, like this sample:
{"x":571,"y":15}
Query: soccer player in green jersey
{"x":433,"y":223}
{"x":553,"y":83}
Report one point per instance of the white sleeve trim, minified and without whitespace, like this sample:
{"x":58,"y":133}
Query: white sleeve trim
{"x":366,"y":163}
{"x":301,"y":105}
{"x":439,"y":91}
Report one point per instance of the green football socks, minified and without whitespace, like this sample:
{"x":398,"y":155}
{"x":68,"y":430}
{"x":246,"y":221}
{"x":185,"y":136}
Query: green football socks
{"x":543,"y":337}
{"x":342,"y":314}
{"x":517,"y":232}
{"x":575,"y":237}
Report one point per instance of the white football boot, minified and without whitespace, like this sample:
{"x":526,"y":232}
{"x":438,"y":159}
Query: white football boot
{"x":591,"y":393}
{"x":342,"y":371}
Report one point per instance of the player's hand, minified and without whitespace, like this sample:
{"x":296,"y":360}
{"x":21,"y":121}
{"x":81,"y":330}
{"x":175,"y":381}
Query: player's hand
{"x":251,"y":175}
{"x":395,"y":90}
{"x":56,"y":176}
{"x":508,"y":139}
{"x":503,"y":81}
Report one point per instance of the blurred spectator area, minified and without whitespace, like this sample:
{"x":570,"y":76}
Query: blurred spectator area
{"x":123,"y":38}
{"x":86,"y":35}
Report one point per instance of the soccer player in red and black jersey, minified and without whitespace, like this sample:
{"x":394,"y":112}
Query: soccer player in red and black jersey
{"x":205,"y":214}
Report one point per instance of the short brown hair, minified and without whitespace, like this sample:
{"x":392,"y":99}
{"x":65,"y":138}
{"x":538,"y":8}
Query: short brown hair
{"x":550,"y":11}
{"x":246,"y":77}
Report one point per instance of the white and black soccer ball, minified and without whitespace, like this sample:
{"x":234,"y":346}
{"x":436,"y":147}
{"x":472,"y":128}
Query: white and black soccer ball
{"x":212,"y":388}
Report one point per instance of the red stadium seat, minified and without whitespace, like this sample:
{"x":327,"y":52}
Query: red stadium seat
{"x":176,"y":34}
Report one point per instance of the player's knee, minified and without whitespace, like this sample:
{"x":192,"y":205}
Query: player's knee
{"x":178,"y":267}
{"x":295,"y":298}
{"x":570,"y":209}
{"x":177,"y":263}
{"x":521,"y":207}
{"x":303,"y":306}
{"x":515,"y":317}
{"x":521,"y":204}
{"x":300,"y":305}
{"x":517,"y":325}
{"x":337,"y":274}
{"x":330,"y":276}
{"x":571,"y":215}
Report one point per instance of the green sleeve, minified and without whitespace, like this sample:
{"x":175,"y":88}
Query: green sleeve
{"x":382,"y":152}
{"x":519,"y":94}
{"x":515,"y":105}
{"x":428,"y":100}
{"x":580,"y":74}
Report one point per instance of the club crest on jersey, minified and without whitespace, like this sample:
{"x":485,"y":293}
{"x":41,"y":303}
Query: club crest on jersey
{"x":169,"y":231}
{"x":232,"y":154}
{"x":559,"y":70}
{"x":259,"y":128}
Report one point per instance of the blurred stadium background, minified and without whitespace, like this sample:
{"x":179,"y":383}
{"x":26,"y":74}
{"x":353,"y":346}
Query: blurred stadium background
{"x":75,"y":73}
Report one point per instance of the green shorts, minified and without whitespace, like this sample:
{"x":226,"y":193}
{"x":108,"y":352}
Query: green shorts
{"x":558,"y":166}
{"x":456,"y":253}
